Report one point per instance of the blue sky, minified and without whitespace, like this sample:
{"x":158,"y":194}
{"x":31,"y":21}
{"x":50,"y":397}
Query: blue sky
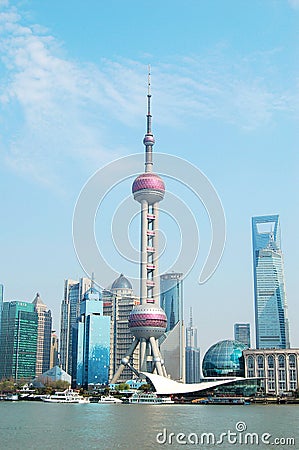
{"x":72,"y":98}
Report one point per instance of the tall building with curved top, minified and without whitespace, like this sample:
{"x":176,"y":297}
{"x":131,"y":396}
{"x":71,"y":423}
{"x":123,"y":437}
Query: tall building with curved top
{"x":147,"y":321}
{"x":271,"y":321}
{"x":119,"y":300}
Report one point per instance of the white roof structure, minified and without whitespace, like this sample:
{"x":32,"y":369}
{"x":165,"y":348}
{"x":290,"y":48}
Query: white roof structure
{"x":166,"y":386}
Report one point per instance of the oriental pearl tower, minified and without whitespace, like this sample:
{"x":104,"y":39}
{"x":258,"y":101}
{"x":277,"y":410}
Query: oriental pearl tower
{"x":147,"y":321}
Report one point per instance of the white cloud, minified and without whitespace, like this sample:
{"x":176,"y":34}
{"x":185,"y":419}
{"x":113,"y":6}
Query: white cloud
{"x":294,"y":4}
{"x":55,"y":110}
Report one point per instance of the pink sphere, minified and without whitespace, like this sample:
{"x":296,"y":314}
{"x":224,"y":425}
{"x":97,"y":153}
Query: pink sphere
{"x":148,"y":186}
{"x":147,"y":320}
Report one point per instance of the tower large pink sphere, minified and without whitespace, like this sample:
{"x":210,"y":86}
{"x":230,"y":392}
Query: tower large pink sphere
{"x":147,"y":320}
{"x":148,"y":186}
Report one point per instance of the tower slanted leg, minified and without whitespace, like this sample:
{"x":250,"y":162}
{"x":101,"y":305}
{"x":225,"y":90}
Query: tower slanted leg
{"x":142,"y":355}
{"x":156,"y":355}
{"x":125,"y":361}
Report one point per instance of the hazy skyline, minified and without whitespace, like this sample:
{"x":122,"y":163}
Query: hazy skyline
{"x":73,"y":98}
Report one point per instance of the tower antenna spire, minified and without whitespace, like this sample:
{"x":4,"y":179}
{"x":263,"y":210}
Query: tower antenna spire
{"x":149,"y":139}
{"x":149,"y":81}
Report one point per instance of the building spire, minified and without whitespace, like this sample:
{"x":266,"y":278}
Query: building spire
{"x":92,"y":289}
{"x":149,"y":139}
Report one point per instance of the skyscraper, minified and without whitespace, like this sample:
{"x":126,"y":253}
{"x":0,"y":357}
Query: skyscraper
{"x":271,"y":322}
{"x":54,"y":359}
{"x":148,"y":321}
{"x":93,"y":341}
{"x":171,"y":297}
{"x":1,"y":302}
{"x":18,"y":340}
{"x":242,"y":333}
{"x":192,"y":353}
{"x":172,"y":344}
{"x":44,"y":330}
{"x":70,"y":310}
{"x":119,"y":301}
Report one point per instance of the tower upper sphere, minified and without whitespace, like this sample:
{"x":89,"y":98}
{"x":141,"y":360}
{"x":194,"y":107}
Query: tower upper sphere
{"x":148,"y":186}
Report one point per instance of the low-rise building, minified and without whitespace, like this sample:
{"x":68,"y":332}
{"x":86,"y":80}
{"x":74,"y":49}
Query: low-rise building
{"x":278,"y":369}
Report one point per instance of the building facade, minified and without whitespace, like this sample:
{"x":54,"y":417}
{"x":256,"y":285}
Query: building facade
{"x":93,"y":342}
{"x":1,"y":302}
{"x":44,"y":330}
{"x":119,"y":301}
{"x":171,"y":297}
{"x":242,"y":333}
{"x":172,"y":344}
{"x":54,"y":355}
{"x":278,"y":369}
{"x":192,"y":353}
{"x":70,"y":310}
{"x":271,"y":321}
{"x":18,"y":341}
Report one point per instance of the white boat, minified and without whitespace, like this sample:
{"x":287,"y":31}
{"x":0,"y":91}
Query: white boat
{"x":149,"y":399}
{"x":67,"y":396}
{"x":11,"y":397}
{"x":109,"y":399}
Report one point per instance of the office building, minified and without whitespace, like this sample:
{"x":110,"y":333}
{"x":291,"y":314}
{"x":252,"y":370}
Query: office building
{"x":74,"y":292}
{"x":1,"y":302}
{"x":93,"y":342}
{"x":54,"y":355}
{"x":192,"y":353}
{"x":242,"y":333}
{"x":171,"y":297}
{"x":119,"y":300}
{"x":172,"y":344}
{"x":271,"y":322}
{"x":44,"y":329}
{"x":277,"y":368}
{"x":18,"y":341}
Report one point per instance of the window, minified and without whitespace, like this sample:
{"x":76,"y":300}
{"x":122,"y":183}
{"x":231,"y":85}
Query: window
{"x":270,"y":362}
{"x":260,"y":362}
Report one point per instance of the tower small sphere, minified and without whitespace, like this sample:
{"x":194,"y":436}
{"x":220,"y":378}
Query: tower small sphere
{"x":148,"y":139}
{"x":147,"y":321}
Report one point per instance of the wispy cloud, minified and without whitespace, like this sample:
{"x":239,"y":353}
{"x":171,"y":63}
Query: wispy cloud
{"x":54,"y":110}
{"x":294,"y":4}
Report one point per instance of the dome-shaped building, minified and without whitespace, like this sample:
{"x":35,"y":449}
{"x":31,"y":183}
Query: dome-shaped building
{"x":224,"y":359}
{"x":122,"y":285}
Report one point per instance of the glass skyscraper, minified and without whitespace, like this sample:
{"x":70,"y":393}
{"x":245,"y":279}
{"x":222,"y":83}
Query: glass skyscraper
{"x":172,"y":344}
{"x":242,"y":333}
{"x":70,"y":310}
{"x":18,"y":340}
{"x":171,"y":297}
{"x":93,"y":342}
{"x":192,"y":354}
{"x":271,"y":322}
{"x":1,"y":303}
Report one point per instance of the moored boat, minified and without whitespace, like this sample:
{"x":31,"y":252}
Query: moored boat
{"x":67,"y":396}
{"x":149,"y":399}
{"x":109,"y":399}
{"x":11,"y":397}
